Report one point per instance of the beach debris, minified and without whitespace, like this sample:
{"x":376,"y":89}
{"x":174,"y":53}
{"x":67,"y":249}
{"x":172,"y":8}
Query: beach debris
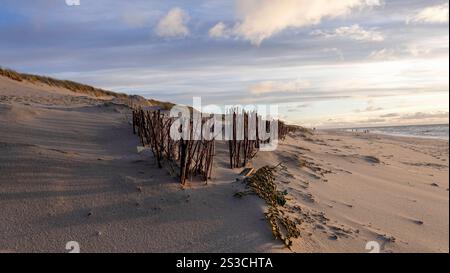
{"x":262,"y":183}
{"x":283,"y":228}
{"x":245,"y":173}
{"x":90,"y":213}
{"x":434,"y":185}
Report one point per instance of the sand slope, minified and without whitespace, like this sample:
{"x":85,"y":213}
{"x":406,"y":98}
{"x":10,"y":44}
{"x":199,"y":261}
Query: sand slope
{"x":72,"y":173}
{"x":69,"y":171}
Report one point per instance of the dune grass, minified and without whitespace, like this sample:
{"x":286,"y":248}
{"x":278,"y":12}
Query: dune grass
{"x":70,"y":85}
{"x":82,"y":88}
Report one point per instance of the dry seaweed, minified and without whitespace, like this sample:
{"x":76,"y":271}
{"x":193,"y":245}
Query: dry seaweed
{"x":262,"y":183}
{"x":283,"y":228}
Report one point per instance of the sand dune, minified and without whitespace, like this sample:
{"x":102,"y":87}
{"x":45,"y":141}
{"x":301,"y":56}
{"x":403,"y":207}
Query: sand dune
{"x":69,"y":171}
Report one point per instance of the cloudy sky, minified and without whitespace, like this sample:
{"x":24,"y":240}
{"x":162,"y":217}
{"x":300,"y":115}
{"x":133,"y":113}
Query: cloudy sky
{"x":327,"y":63}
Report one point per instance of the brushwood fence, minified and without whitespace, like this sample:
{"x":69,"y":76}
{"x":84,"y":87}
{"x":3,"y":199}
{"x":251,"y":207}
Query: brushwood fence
{"x":183,"y":158}
{"x":187,"y":158}
{"x":244,"y":143}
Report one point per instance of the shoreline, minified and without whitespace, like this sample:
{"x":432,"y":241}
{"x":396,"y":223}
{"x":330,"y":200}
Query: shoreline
{"x":387,"y":134}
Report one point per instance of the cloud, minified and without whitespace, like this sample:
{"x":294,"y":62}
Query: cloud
{"x":430,"y":15}
{"x":436,"y":116}
{"x":422,"y":115}
{"x":299,"y":107}
{"x":369,"y":109}
{"x":389,"y":119}
{"x":375,"y":120}
{"x":279,"y":86}
{"x":418,"y":50}
{"x":383,"y":55}
{"x":220,"y":30}
{"x":260,"y":19}
{"x":305,"y":105}
{"x":354,"y":32}
{"x":390,"y":115}
{"x":73,"y":2}
{"x":173,"y":24}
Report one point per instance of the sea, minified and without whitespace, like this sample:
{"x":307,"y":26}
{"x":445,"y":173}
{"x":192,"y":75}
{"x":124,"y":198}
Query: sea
{"x":439,"y":131}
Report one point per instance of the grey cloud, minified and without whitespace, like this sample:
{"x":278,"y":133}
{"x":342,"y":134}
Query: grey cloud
{"x":370,"y":108}
{"x":421,"y":116}
{"x":375,"y":120}
{"x":390,"y":115}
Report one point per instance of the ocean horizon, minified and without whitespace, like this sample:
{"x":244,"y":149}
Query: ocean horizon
{"x":438,"y":131}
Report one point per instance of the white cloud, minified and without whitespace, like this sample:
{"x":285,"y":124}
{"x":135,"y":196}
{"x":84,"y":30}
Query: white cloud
{"x":424,"y":48}
{"x":173,"y":24}
{"x":383,"y":54}
{"x":354,"y":32}
{"x":418,"y":50}
{"x":279,"y":86}
{"x":260,"y":19}
{"x":433,"y":14}
{"x":220,"y":30}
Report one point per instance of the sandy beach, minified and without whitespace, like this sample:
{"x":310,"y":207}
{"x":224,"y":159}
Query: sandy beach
{"x":356,"y":188}
{"x":70,"y":171}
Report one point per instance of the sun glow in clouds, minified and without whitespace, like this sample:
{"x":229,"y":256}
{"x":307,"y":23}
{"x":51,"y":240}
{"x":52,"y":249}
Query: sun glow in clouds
{"x":262,"y":19}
